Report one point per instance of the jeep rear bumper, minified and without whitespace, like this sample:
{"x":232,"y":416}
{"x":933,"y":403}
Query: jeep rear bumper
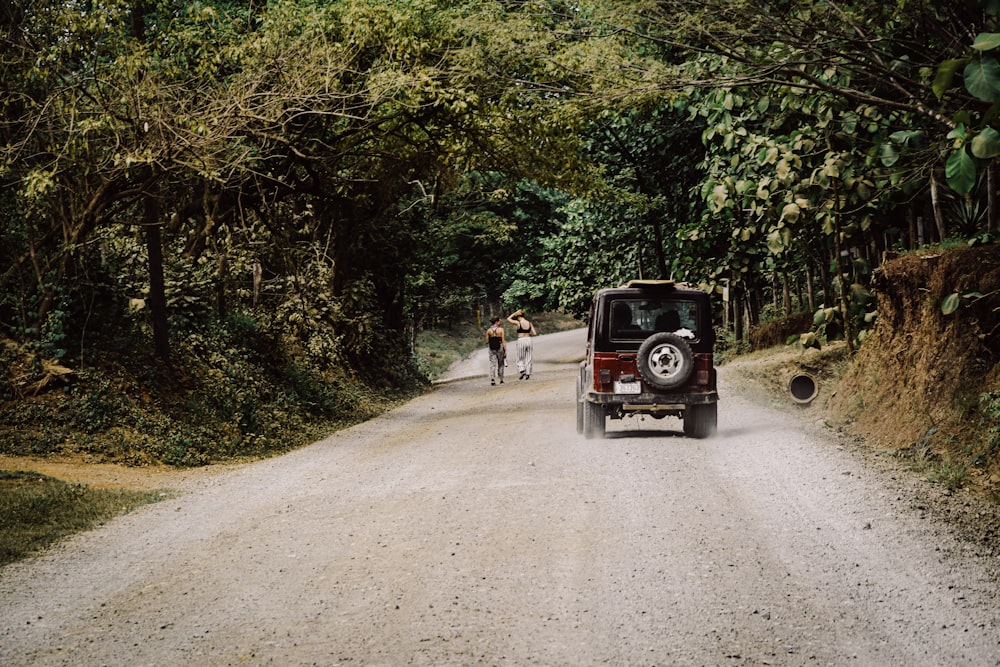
{"x":652,"y":402}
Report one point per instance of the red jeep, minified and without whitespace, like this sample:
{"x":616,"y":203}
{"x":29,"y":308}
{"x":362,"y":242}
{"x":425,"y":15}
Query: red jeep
{"x":649,"y":352}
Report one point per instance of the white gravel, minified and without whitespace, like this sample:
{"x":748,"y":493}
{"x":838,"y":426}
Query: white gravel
{"x":474,"y":526}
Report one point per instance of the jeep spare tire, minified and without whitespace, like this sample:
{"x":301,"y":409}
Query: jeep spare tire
{"x":665,"y":360}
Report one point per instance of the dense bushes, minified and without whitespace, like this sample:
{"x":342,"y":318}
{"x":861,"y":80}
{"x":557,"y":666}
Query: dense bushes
{"x":234,"y":391}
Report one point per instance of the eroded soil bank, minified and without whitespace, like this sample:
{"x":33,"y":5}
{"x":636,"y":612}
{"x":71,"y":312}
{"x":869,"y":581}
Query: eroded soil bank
{"x":923,"y":378}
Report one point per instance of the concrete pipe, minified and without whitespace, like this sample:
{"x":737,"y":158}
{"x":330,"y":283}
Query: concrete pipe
{"x":803,"y":388}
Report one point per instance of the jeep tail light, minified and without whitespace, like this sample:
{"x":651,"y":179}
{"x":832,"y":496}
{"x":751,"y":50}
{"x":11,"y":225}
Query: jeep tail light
{"x":701,"y":377}
{"x":605,"y":376}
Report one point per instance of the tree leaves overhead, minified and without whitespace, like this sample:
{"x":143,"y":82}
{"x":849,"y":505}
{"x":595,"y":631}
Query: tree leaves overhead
{"x":364,"y":154}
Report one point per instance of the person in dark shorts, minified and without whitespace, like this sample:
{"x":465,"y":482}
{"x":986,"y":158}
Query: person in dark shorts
{"x":497,"y":344}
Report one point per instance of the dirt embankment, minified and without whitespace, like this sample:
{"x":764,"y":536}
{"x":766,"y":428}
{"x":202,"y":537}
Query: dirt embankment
{"x":922,"y":381}
{"x":917,"y":381}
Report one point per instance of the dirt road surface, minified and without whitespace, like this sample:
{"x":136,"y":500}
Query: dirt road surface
{"x":473,"y":526}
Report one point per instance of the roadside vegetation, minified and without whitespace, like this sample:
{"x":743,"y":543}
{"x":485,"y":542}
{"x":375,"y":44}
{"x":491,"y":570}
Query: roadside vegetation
{"x":924,"y":384}
{"x":36,"y":510}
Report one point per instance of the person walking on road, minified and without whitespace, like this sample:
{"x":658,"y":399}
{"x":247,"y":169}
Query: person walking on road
{"x":525,"y":330}
{"x":497,"y":343}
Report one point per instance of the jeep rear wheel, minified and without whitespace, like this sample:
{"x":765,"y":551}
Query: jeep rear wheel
{"x":665,"y":360}
{"x":593,"y":420}
{"x":700,"y":421}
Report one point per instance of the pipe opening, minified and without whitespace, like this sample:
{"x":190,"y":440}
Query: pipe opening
{"x":803,"y":388}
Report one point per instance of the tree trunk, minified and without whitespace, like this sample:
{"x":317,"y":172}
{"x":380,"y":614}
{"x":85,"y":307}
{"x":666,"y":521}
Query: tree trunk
{"x":157,"y":288}
{"x":810,"y":289}
{"x":845,"y":309}
{"x":786,"y":293}
{"x":754,"y":300}
{"x":661,"y":260}
{"x":221,"y":274}
{"x":991,"y":197}
{"x":151,"y":223}
{"x":775,"y":287}
{"x":936,"y":204}
{"x":258,"y":279}
{"x":825,"y":279}
{"x":738,"y":316}
{"x":726,"y":306}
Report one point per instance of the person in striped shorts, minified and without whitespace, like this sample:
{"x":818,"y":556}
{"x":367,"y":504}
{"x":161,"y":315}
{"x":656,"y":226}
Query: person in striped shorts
{"x":525,"y":330}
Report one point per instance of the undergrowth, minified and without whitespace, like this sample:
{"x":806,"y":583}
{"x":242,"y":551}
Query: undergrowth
{"x":232,"y":392}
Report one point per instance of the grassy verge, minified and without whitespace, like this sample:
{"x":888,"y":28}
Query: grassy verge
{"x":438,"y":349}
{"x":36,"y":511}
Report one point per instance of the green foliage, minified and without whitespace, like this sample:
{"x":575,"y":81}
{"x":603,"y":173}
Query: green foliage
{"x":727,"y":347}
{"x":244,"y":392}
{"x":953,"y":475}
{"x":952,"y":302}
{"x":829,"y":322}
{"x":631,"y":224}
{"x":36,"y":511}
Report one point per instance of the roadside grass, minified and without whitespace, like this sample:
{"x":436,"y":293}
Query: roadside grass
{"x":37,"y":511}
{"x":438,"y":349}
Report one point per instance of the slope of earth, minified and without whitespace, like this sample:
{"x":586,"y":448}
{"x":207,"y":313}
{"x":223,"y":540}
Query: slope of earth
{"x":922,"y":382}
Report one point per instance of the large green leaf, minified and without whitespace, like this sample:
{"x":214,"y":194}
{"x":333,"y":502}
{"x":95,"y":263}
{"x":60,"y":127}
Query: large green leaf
{"x":960,"y":171}
{"x":907,"y":137}
{"x":790,"y":212}
{"x":810,"y":339}
{"x":982,"y":78}
{"x":888,"y":154}
{"x":987,"y":41}
{"x":986,"y":144}
{"x":945,"y":75}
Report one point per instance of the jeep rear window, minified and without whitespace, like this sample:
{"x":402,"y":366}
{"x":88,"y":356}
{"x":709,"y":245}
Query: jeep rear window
{"x":635,"y":319}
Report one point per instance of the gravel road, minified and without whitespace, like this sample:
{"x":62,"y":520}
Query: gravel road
{"x":474,"y":526}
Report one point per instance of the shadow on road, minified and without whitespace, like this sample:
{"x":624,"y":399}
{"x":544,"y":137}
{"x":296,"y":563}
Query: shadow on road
{"x":666,"y":432}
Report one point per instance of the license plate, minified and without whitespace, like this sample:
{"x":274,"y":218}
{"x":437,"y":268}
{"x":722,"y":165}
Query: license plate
{"x":628,"y":388}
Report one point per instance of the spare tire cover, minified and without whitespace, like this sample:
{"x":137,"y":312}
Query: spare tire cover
{"x":665,"y":360}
